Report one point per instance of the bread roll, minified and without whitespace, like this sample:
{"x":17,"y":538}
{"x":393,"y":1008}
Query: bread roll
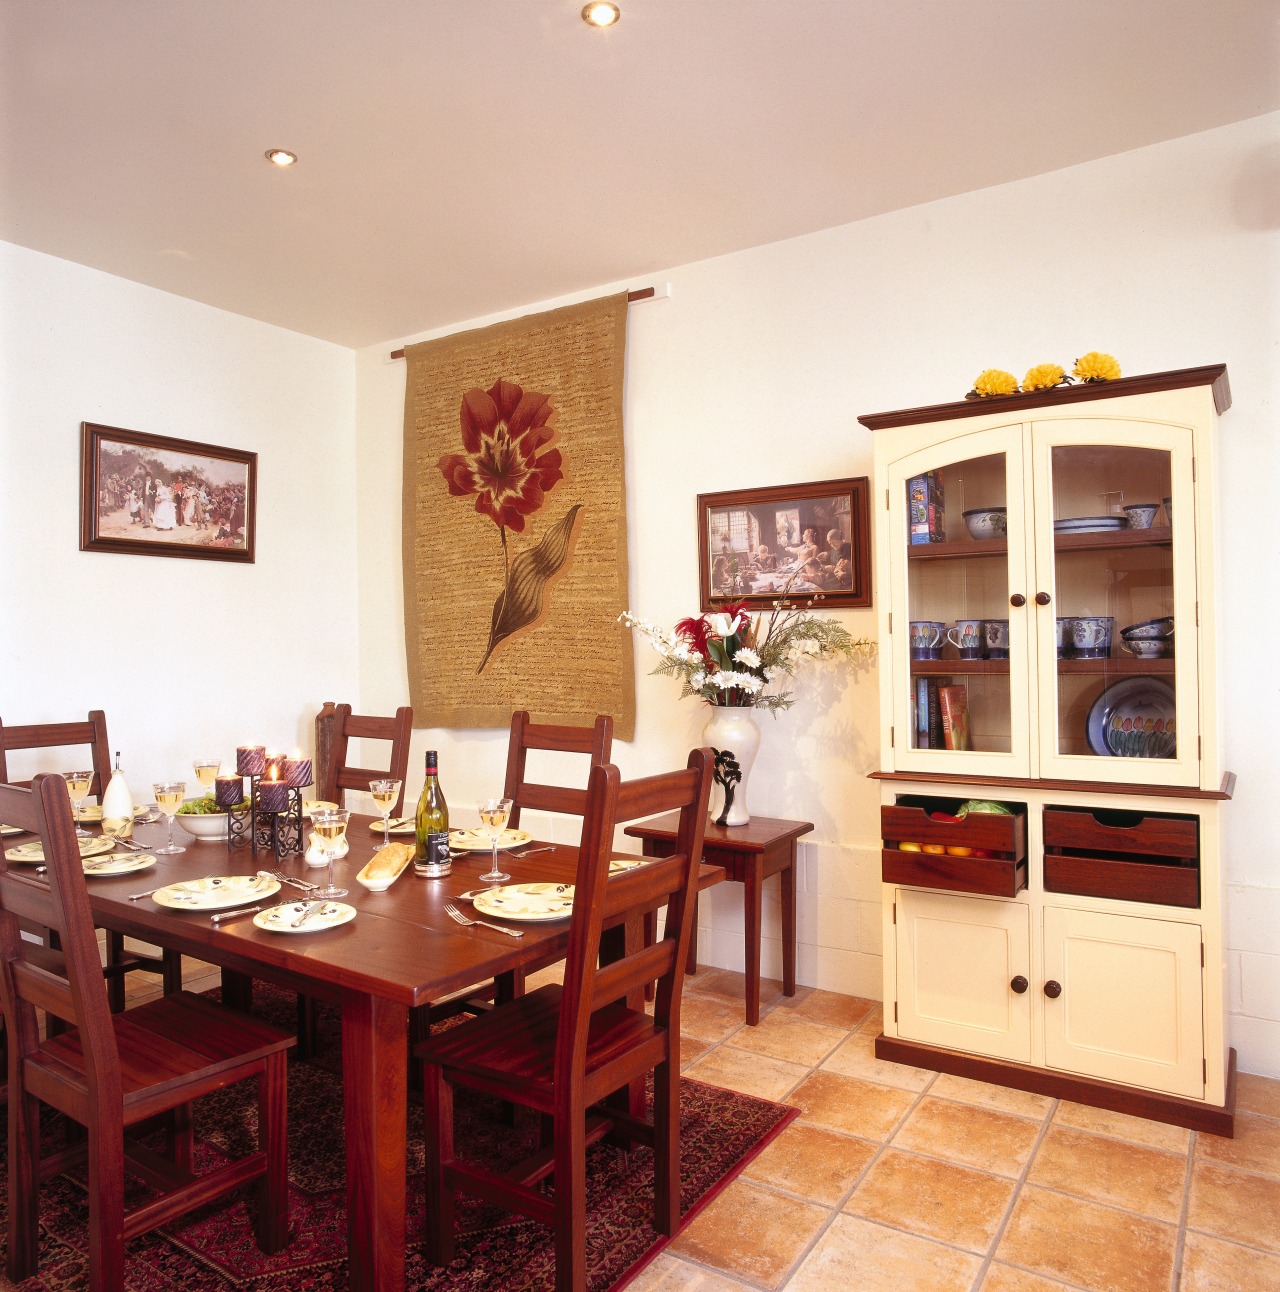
{"x":389,"y":861}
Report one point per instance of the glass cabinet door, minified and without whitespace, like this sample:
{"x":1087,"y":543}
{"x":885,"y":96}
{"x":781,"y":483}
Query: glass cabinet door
{"x":960,"y":657}
{"x":1115,"y":603}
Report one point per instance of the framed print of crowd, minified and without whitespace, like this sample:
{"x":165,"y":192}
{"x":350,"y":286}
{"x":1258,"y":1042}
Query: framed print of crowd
{"x":786,"y":541}
{"x":152,"y":495}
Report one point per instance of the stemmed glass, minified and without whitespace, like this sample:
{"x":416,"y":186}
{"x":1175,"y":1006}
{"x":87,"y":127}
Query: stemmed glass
{"x":78,"y":786}
{"x":169,"y":800}
{"x":207,"y":770}
{"x":493,"y":820}
{"x":330,"y":825}
{"x":385,"y":793}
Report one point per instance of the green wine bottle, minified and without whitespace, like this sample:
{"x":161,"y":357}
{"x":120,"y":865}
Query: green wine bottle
{"x":431,"y":854}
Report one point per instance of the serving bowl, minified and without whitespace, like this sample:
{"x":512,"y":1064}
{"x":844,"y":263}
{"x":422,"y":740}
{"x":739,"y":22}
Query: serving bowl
{"x":203,"y":825}
{"x":1141,"y":515}
{"x":986,"y":522}
{"x":1149,"y":629}
{"x":1148,"y":647}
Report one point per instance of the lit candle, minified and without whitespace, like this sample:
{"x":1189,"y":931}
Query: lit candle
{"x":275,"y":767}
{"x":251,"y":760}
{"x":296,"y":772}
{"x":228,"y":791}
{"x":273,"y":794}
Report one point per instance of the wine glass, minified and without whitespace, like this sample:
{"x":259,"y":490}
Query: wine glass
{"x":169,"y":800}
{"x":330,"y":825}
{"x":493,"y":820}
{"x":207,"y":770}
{"x":385,"y":793}
{"x":78,"y":786}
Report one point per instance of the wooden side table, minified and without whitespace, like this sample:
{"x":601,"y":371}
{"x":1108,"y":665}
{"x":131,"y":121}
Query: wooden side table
{"x":749,"y":854}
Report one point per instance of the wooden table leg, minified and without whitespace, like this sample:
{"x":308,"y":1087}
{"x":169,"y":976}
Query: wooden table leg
{"x":753,"y":886}
{"x":375,"y":1057}
{"x":788,"y":881}
{"x":237,"y":990}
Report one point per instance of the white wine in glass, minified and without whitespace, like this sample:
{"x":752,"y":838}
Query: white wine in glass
{"x":207,"y":771}
{"x":385,"y":793}
{"x":330,"y":826}
{"x":78,"y":786}
{"x":169,"y":795}
{"x":493,"y":820}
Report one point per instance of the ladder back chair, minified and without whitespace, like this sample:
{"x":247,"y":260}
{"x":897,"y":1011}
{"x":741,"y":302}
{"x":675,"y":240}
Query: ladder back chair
{"x":336,"y":726}
{"x":93,"y":734}
{"x":569,"y":1051}
{"x":109,"y":1072}
{"x":595,"y":741}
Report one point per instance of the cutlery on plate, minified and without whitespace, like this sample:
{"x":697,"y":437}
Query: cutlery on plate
{"x":136,"y":897}
{"x":223,"y":916}
{"x":98,"y":863}
{"x":528,"y":852}
{"x":454,"y":914}
{"x":287,"y":879}
{"x":308,"y":910}
{"x":128,"y":843}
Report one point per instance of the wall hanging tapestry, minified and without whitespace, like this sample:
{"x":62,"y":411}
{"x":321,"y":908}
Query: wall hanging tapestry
{"x":515,"y":525}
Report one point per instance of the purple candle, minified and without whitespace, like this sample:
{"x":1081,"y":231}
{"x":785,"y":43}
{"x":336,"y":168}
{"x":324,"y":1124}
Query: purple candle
{"x":275,"y":767}
{"x":273,"y":795}
{"x":251,"y":760}
{"x":296,"y":772}
{"x":228,"y":791}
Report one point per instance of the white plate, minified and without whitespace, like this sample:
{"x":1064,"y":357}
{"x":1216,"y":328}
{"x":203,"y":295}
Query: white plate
{"x":478,"y":841}
{"x":315,"y":805}
{"x":216,"y":893}
{"x":279,"y":919}
{"x":1088,"y":524}
{"x":399,"y":825}
{"x":626,"y":863}
{"x":12,"y":829}
{"x":124,"y":863}
{"x":33,"y":853}
{"x":527,"y":902}
{"x":93,"y":813}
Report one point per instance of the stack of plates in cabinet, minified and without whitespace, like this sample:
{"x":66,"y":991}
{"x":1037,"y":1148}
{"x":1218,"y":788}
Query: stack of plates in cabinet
{"x":1089,"y":524}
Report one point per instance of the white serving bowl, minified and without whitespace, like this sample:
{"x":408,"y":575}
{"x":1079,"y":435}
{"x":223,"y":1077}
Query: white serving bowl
{"x":986,"y":522}
{"x":205,"y":825}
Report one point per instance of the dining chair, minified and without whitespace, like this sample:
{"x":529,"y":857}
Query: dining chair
{"x":93,"y":734}
{"x":595,"y":741}
{"x":569,"y":1051}
{"x":342,"y":726}
{"x":110,"y":1072}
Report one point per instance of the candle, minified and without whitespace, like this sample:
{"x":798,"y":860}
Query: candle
{"x":251,"y":760}
{"x":275,"y":767}
{"x":228,"y":791}
{"x":296,"y":772}
{"x":273,"y":795}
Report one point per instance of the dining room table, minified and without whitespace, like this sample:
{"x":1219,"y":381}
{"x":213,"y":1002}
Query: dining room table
{"x":400,"y":949}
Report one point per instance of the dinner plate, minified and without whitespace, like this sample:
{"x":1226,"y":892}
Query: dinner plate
{"x":478,"y":841}
{"x":1088,"y":524}
{"x":315,"y":805}
{"x":619,"y":864}
{"x":527,"y":901}
{"x":279,"y":919}
{"x":399,"y":825}
{"x":215,"y":892}
{"x":123,"y":863}
{"x":34,"y":852}
{"x":11,"y":829}
{"x":1134,"y":718}
{"x":93,"y":813}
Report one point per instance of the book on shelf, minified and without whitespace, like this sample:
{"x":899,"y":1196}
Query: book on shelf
{"x":925,"y":518}
{"x":922,"y":713}
{"x":953,"y":705}
{"x":935,"y":716}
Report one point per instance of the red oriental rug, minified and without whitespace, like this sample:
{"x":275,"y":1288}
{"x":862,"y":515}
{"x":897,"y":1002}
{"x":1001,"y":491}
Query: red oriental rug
{"x":721,"y":1131}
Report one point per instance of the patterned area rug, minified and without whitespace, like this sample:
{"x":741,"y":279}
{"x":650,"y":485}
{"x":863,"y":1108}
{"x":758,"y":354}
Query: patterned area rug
{"x":497,"y":1252}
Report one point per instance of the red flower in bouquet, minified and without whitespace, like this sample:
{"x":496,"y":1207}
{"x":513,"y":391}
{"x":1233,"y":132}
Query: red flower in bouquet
{"x":694,"y":631}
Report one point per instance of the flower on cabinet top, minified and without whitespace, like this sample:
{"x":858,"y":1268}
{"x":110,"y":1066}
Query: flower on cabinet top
{"x":1096,"y":366}
{"x":993,"y":381}
{"x":1044,"y":376}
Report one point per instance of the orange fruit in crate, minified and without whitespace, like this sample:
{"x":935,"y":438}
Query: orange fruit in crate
{"x":908,"y":847}
{"x":934,"y":847}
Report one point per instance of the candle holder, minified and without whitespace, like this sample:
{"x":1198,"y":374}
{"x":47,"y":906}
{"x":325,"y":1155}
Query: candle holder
{"x":240,"y":826}
{"x":276,"y":813}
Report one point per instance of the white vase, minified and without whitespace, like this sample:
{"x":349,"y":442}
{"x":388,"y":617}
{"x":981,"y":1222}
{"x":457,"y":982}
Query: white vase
{"x":733,"y":734}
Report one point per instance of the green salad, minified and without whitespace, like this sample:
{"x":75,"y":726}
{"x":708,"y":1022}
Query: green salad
{"x":207,"y":806}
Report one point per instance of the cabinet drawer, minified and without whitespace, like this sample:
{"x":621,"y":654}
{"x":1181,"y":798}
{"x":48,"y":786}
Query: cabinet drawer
{"x":1003,"y":874}
{"x":1151,"y":834}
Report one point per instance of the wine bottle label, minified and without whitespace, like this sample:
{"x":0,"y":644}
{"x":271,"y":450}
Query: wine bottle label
{"x":436,"y":864}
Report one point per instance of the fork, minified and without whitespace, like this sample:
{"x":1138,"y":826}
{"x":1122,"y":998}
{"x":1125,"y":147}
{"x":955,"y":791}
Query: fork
{"x":282,"y":878}
{"x":454,"y":914}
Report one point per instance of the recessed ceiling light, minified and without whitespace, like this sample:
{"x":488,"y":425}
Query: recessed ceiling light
{"x":281,"y":156}
{"x":600,"y":13}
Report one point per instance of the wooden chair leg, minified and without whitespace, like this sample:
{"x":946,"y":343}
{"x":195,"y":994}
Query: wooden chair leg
{"x":666,"y":1148}
{"x":24,"y":1186}
{"x":437,"y":1104}
{"x":171,"y":971}
{"x":571,"y":1204}
{"x":308,"y":1025}
{"x":237,"y":990}
{"x":106,"y":1205}
{"x":180,"y":1134}
{"x":272,"y":1229}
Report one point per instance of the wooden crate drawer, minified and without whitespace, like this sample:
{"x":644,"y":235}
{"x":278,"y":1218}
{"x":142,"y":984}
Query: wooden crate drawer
{"x":1003,"y":873}
{"x":990,"y":876}
{"x":1152,"y":835}
{"x":1126,"y":881}
{"x":990,"y":831}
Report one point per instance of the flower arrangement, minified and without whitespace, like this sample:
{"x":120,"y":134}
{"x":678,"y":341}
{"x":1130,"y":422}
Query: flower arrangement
{"x":1097,"y":367}
{"x":731,"y":658}
{"x":1094,"y":366}
{"x":1044,"y":376}
{"x":993,"y":381}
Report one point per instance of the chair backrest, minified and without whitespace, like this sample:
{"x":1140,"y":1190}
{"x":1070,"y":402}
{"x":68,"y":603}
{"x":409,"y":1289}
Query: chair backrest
{"x":55,"y":735}
{"x":672,"y":880}
{"x":336,"y":776}
{"x":595,"y":741}
{"x":67,"y":983}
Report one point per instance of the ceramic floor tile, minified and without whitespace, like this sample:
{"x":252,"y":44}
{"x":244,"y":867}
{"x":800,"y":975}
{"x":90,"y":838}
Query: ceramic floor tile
{"x":856,"y":1058}
{"x":752,"y":1074}
{"x":846,"y":1104}
{"x":709,"y":1018}
{"x":1113,"y":1171}
{"x":1101,"y":1121}
{"x":1087,"y":1245}
{"x":1256,"y":1146}
{"x":954,"y":1204}
{"x":784,"y":1036}
{"x":1232,"y":1204}
{"x":815,"y":1163}
{"x":729,"y":985}
{"x":874,"y":1022}
{"x":691,"y":1050}
{"x":1257,"y":1094}
{"x":855,"y":1254}
{"x":1000,"y":1099}
{"x":972,"y":1136}
{"x":1004,"y":1278}
{"x":751,"y":1233}
{"x":670,"y":1274}
{"x":828,"y":1007}
{"x":1210,"y":1265}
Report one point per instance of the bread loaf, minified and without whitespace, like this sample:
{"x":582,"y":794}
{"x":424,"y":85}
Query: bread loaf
{"x":388,"y":861}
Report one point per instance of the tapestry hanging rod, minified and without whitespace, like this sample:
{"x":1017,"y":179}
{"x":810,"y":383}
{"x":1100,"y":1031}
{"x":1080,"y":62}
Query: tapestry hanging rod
{"x":640,"y":294}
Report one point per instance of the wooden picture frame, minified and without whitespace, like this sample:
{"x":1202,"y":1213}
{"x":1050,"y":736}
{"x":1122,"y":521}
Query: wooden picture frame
{"x":153,"y":495}
{"x":759,"y":545}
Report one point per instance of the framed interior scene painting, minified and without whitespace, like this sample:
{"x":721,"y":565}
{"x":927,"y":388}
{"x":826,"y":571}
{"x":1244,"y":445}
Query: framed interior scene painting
{"x":793,"y":541}
{"x":152,"y":495}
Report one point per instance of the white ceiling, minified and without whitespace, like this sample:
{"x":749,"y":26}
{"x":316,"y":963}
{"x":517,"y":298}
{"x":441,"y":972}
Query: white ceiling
{"x":461,"y":157}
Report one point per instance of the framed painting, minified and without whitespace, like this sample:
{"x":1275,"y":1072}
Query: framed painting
{"x":152,"y":495}
{"x":786,"y":541}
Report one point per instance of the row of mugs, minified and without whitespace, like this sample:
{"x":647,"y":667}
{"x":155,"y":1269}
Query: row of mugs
{"x":1078,"y":637}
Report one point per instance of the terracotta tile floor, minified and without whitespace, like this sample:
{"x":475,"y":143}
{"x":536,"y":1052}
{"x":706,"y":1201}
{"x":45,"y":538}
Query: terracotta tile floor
{"x":903,"y":1180}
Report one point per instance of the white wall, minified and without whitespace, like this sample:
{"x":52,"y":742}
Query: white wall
{"x":754,"y":372}
{"x":188,"y":658}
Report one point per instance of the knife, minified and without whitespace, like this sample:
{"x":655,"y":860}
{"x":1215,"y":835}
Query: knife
{"x":312,"y":908}
{"x":223,"y":916}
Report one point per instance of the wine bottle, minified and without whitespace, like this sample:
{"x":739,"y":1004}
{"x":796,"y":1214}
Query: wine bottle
{"x":431,"y":853}
{"x":117,"y":805}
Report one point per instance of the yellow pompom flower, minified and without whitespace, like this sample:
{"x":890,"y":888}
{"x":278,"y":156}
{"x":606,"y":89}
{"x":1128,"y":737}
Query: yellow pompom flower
{"x":994,"y":381}
{"x":1097,"y":367}
{"x":1044,"y":376}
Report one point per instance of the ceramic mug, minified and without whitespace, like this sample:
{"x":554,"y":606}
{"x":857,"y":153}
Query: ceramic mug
{"x":1065,"y":639}
{"x":1091,"y":635}
{"x":966,"y":637}
{"x":995,"y":632}
{"x":1141,"y":515}
{"x":926,"y":638}
{"x":1148,"y":647}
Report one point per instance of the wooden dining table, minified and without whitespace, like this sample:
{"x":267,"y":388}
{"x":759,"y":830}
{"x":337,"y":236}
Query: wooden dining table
{"x":401,"y":950}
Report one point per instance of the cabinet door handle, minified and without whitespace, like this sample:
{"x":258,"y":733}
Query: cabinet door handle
{"x":1053,"y":989}
{"x":1043,"y":598}
{"x":1017,"y":600}
{"x":1018,"y":984}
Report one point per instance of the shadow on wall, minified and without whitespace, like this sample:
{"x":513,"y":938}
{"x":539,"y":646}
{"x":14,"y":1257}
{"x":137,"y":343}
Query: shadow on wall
{"x":1256,"y":196}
